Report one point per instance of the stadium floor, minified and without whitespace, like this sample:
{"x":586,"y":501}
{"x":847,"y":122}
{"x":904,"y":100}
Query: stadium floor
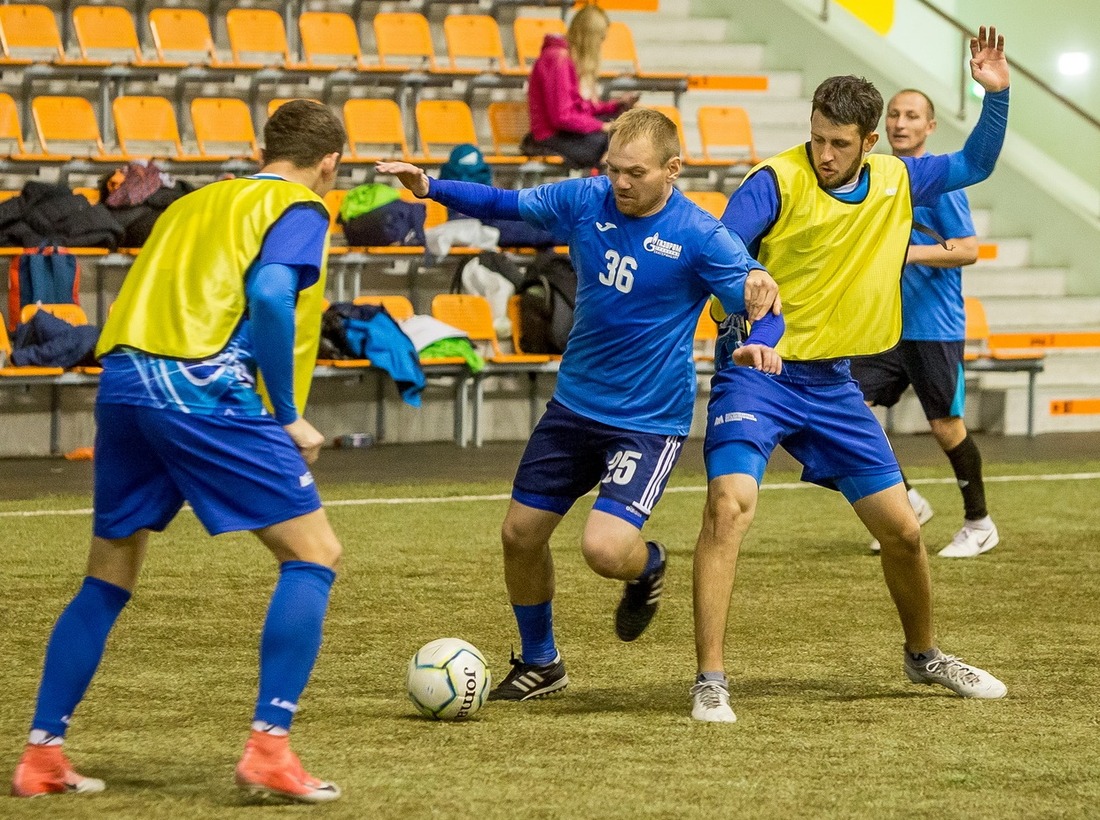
{"x":443,"y":462}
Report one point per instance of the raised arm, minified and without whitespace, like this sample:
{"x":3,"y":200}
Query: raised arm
{"x":932,"y":176}
{"x":470,"y":198}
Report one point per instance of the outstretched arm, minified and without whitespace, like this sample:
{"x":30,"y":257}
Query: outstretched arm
{"x":932,"y":176}
{"x":470,"y":198}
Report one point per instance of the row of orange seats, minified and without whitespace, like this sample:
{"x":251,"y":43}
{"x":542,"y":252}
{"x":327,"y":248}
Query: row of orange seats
{"x":107,"y":35}
{"x":146,"y":126}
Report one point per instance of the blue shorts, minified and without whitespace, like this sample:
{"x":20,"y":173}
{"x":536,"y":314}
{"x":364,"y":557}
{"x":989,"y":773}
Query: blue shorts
{"x":569,"y":454}
{"x":824,"y":425}
{"x":237,"y":472}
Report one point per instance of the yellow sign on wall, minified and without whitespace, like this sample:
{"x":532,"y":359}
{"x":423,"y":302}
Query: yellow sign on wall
{"x":878,"y":14}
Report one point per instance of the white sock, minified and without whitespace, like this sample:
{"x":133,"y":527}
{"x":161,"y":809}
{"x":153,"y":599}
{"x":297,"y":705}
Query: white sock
{"x":980,"y":524}
{"x":269,"y":728}
{"x":40,"y":737}
{"x":915,"y":498}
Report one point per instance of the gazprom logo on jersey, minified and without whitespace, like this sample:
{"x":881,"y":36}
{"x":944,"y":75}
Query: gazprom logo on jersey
{"x":662,"y":247}
{"x":728,"y":417}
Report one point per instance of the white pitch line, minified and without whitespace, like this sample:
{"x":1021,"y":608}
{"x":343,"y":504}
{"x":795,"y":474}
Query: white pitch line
{"x":793,"y":485}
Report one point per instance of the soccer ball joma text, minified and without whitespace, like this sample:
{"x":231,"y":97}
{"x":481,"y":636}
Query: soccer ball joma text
{"x":448,"y":679}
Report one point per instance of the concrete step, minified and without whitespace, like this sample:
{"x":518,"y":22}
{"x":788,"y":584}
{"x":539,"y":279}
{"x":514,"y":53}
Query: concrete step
{"x":992,"y":282}
{"x":653,"y":28}
{"x":1011,"y":252}
{"x":1014,"y":409}
{"x":1054,"y":313}
{"x":718,"y":58}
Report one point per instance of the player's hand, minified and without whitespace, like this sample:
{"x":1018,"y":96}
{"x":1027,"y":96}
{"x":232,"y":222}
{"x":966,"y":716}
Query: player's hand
{"x":988,"y":65}
{"x":758,"y":357}
{"x":305,"y":438}
{"x":409,"y":175}
{"x":761,"y":295}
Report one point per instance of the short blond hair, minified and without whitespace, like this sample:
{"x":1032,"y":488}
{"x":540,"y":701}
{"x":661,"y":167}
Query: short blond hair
{"x":659,"y":130}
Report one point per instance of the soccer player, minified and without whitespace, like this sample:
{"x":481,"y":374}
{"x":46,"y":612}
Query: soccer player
{"x":646,"y":260}
{"x":229,"y":283}
{"x":832,"y":223}
{"x":933,"y":332}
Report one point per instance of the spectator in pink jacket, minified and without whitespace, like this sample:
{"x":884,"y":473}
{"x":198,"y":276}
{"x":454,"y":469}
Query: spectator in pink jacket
{"x":567,"y":117}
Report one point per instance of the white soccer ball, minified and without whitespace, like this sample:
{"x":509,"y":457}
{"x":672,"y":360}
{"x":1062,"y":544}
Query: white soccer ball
{"x":448,"y":679}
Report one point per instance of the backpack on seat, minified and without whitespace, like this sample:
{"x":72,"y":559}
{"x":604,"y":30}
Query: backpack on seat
{"x":48,"y":274}
{"x":548,"y":295}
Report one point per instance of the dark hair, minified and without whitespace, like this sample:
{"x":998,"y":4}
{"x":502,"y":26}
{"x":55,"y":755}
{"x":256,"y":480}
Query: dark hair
{"x":927,"y":99}
{"x":848,"y":100}
{"x":653,"y":126}
{"x":303,"y":132}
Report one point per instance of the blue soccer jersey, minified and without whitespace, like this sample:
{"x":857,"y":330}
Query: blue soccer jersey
{"x":641,"y":285}
{"x":931,"y":298}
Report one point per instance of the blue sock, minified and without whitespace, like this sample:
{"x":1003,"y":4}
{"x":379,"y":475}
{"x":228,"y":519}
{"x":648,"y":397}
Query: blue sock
{"x":653,"y":559}
{"x":291,"y":639}
{"x":74,"y":651}
{"x":536,"y":632}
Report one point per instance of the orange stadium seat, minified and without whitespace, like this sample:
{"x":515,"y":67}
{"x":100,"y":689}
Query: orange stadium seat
{"x":107,"y":33}
{"x":399,"y":307}
{"x":620,"y":56}
{"x":9,"y":370}
{"x":182,"y":35}
{"x":726,"y":129}
{"x":147,"y":127}
{"x":226,"y":124}
{"x":28,"y":33}
{"x":330,"y":40}
{"x":713,"y":202}
{"x":436,"y":213}
{"x":67,"y":126}
{"x":333,"y":200}
{"x":403,"y":40}
{"x":375,"y":131}
{"x":443,"y":124}
{"x":474,"y":44}
{"x":11,"y":133}
{"x":257,"y":37}
{"x":529,"y":33}
{"x":472,"y":314}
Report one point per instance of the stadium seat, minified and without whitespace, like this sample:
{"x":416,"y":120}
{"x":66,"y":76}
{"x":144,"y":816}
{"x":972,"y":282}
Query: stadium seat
{"x":333,"y":200}
{"x":472,"y":314}
{"x":257,"y":38}
{"x":183,"y":35}
{"x":619,"y":58}
{"x":403,"y":41}
{"x":713,"y":202}
{"x":529,"y":33}
{"x":375,"y":131}
{"x":73,"y":314}
{"x":223,"y":123}
{"x":330,"y":40}
{"x":12,"y":371}
{"x":474,"y":45}
{"x":443,"y":124}
{"x":107,"y":33}
{"x":436,"y":213}
{"x":727,"y":129}
{"x":515,"y":316}
{"x":692,"y":164}
{"x":66,"y":126}
{"x":11,"y":134}
{"x":90,"y":194}
{"x":980,"y":356}
{"x":147,"y":127}
{"x":399,"y":307}
{"x":29,"y":34}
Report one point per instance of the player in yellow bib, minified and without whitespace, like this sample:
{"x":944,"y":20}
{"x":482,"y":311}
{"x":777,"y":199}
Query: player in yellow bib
{"x":831,"y":222}
{"x":226,"y":292}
